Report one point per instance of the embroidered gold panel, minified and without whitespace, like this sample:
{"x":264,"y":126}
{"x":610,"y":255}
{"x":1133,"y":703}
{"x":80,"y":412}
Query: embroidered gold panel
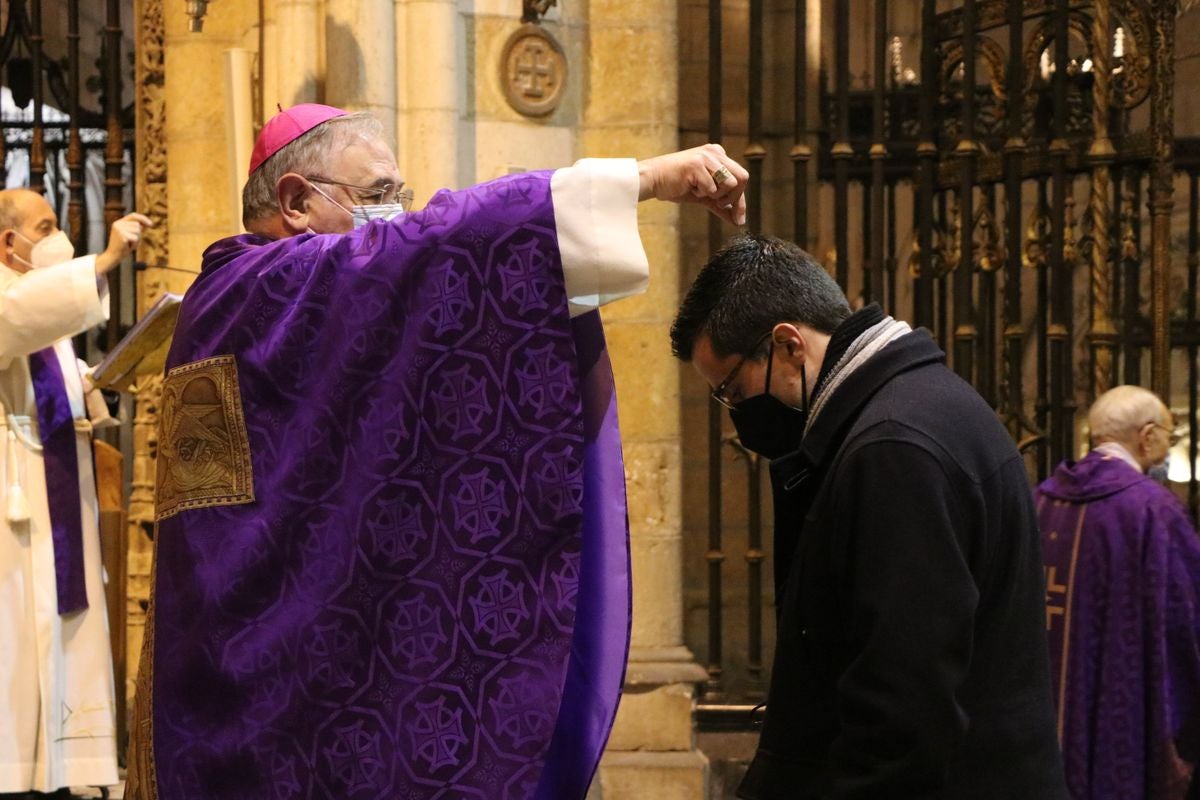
{"x":204,"y":453}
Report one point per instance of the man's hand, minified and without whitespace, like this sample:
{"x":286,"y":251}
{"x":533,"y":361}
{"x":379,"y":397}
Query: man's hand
{"x":703,"y":175}
{"x":122,"y":240}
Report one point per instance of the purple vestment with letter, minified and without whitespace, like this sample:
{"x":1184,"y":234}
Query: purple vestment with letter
{"x":1123,"y":619}
{"x":392,"y":551}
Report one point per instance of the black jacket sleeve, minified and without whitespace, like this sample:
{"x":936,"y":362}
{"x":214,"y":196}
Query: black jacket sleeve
{"x":912,"y":602}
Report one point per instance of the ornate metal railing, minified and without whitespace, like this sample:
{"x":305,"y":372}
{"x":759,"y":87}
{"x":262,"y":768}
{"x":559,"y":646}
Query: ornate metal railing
{"x":1036,"y":184}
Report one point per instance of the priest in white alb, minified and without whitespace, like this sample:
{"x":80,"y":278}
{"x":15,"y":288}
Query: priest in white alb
{"x":57,"y":722}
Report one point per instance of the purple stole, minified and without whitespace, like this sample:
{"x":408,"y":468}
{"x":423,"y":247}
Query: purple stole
{"x":56,"y":425}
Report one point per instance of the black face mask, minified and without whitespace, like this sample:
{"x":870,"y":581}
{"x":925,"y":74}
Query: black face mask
{"x":768,"y":426}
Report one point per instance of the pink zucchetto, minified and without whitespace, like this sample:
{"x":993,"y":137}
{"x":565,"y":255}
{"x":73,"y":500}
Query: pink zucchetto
{"x":288,"y":126}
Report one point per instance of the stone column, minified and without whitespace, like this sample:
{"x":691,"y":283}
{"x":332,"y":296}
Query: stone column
{"x":432,"y":54}
{"x":632,"y":109}
{"x":293,"y":68}
{"x":360,"y":57}
{"x":198,"y":162}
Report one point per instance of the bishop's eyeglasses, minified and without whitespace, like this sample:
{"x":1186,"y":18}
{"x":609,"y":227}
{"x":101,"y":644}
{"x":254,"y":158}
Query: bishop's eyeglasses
{"x":383,"y":194}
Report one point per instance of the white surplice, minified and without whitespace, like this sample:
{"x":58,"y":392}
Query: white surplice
{"x":57,"y":714}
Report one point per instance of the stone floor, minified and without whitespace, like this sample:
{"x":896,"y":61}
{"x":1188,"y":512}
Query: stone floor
{"x":91,"y":793}
{"x":729,"y":755}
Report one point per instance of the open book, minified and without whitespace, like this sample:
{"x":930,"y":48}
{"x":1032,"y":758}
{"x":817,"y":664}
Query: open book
{"x":143,"y":351}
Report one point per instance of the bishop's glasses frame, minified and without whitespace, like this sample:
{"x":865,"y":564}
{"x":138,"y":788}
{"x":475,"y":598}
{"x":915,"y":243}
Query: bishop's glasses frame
{"x":401,"y":195}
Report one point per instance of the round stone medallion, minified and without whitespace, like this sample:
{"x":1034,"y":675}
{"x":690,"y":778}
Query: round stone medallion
{"x":533,"y":69}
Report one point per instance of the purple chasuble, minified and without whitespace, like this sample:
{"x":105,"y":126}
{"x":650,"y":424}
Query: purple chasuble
{"x":416,"y":583}
{"x":1123,"y":620}
{"x":56,"y":425}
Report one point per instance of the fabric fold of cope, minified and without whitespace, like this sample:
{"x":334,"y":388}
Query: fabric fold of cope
{"x":427,"y":591}
{"x":56,"y":425}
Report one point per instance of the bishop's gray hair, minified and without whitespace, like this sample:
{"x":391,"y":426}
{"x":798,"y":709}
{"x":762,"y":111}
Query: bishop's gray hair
{"x":303,"y":155}
{"x":1121,"y":412}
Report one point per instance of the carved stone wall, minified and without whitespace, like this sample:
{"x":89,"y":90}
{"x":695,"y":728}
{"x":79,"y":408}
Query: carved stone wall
{"x":151,"y":199}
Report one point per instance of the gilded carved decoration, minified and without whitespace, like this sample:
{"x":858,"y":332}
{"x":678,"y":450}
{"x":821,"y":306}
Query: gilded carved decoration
{"x":989,"y":248}
{"x":1034,"y":254}
{"x":1131,"y":85}
{"x":994,"y":58}
{"x":151,"y":193}
{"x":1070,"y":256}
{"x":1162,"y":187}
{"x":1102,"y":335}
{"x":1113,"y":64}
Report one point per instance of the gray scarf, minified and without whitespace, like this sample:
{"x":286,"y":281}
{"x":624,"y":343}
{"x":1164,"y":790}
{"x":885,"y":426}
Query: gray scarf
{"x":868,"y":343}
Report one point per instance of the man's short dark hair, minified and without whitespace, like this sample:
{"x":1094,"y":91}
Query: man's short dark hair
{"x":750,"y":286}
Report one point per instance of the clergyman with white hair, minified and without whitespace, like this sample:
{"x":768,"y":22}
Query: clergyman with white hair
{"x":1123,"y":608}
{"x":57,"y":707}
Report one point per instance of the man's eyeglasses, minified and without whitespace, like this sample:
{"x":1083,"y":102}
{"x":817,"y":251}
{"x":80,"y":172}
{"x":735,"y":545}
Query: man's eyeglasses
{"x":385,"y":194}
{"x":718,"y":393}
{"x":1173,"y":436}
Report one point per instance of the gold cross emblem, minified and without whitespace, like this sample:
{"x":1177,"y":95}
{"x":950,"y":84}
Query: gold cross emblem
{"x":1056,"y":597}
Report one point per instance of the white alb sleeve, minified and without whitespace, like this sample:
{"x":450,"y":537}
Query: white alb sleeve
{"x":595,"y":212}
{"x":39,"y":307}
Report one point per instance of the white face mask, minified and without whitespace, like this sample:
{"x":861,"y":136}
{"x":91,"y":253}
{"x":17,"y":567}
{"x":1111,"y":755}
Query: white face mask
{"x":364,"y":214}
{"x":361,"y":215}
{"x":51,"y":251}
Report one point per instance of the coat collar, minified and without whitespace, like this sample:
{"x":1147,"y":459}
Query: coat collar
{"x":916,"y":349}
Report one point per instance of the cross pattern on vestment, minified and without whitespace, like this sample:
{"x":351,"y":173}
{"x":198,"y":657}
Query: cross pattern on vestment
{"x":499,"y":608}
{"x":356,"y":757}
{"x":450,"y":298}
{"x":479,"y":505}
{"x":545,"y":380}
{"x":417,"y":631}
{"x":559,"y":484}
{"x":1055,"y":606}
{"x":566,"y":580}
{"x":462,"y":402}
{"x":526,"y":276}
{"x":438,"y":734}
{"x":520,"y":711}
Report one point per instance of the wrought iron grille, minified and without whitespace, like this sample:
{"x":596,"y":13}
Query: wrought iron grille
{"x":1032,"y":165}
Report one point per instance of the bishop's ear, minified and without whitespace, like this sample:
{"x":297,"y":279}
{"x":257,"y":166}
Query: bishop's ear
{"x":291,"y":192}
